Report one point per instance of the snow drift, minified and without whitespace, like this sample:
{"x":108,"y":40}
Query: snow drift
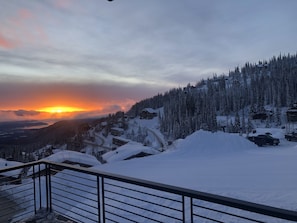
{"x":221,"y":163}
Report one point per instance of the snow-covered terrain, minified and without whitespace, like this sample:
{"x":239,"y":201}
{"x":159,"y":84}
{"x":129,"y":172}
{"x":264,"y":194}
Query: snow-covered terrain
{"x":5,"y":164}
{"x":219,"y":163}
{"x":225,"y":164}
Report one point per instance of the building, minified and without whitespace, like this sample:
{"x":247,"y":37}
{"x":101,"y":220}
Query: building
{"x":116,"y":131}
{"x":148,"y":113}
{"x":118,"y":141}
{"x":292,"y":113}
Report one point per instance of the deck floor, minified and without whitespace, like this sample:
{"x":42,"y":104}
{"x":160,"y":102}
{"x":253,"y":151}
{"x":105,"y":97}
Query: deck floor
{"x":47,"y":217}
{"x":8,"y":213}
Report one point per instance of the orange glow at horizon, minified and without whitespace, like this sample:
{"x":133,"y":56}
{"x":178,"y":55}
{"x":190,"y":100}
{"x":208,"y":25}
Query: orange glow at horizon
{"x":60,"y":109}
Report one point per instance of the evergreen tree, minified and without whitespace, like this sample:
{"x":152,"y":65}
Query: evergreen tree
{"x":253,"y":86}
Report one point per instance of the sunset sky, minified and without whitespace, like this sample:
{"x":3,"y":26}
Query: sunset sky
{"x":97,"y":57}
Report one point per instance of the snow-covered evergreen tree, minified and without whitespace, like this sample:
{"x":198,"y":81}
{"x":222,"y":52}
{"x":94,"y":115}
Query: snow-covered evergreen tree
{"x":252,"y":87}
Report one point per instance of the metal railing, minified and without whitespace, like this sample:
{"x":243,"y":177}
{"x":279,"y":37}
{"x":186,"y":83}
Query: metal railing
{"x":87,"y":195}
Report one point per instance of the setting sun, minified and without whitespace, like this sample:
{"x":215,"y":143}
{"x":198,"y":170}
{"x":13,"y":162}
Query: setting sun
{"x":60,"y":109}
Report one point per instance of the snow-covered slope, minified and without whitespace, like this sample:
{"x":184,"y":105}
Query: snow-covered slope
{"x":223,"y":164}
{"x":219,"y":163}
{"x":5,"y":164}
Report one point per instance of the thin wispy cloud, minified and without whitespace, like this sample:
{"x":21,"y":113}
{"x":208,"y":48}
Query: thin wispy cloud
{"x":26,"y":113}
{"x":6,"y":43}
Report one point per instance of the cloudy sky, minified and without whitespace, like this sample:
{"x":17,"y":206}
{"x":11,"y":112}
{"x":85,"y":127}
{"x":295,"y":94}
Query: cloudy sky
{"x":101,"y":56}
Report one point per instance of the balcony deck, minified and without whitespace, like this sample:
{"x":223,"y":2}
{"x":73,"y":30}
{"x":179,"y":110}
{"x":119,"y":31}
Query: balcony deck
{"x":43,"y":216}
{"x":51,"y":192}
{"x":6,"y":213}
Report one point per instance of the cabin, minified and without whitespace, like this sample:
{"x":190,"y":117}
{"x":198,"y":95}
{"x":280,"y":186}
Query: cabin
{"x":259,"y":116}
{"x":66,"y":157}
{"x":119,"y":141}
{"x":129,"y":151}
{"x":292,"y":113}
{"x":116,"y":131}
{"x":148,"y":113}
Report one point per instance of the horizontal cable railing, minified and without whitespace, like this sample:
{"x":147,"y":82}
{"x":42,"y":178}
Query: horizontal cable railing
{"x":19,"y":196}
{"x":88,"y":195}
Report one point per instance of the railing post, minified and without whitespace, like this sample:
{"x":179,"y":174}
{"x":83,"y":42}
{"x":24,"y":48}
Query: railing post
{"x":183,"y":207}
{"x":50,"y":187}
{"x":34,"y":188}
{"x":39,"y":186}
{"x":103,"y":197}
{"x":47,"y":187}
{"x":191,"y":209}
{"x":98,"y":199}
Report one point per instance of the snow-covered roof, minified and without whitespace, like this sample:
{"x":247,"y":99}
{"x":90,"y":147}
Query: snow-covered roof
{"x":117,"y":129}
{"x":5,"y":164}
{"x":292,"y":110}
{"x":150,"y":110}
{"x":71,"y":156}
{"x":103,"y":123}
{"x":128,"y":150}
{"x":121,"y":139}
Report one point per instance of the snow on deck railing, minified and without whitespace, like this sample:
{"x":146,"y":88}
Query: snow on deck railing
{"x":87,"y":195}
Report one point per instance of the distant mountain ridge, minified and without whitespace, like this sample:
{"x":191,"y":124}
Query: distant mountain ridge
{"x":248,"y":90}
{"x":20,"y":124}
{"x":14,"y":141}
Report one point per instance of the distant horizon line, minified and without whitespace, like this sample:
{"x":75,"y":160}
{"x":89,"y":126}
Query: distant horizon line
{"x":32,"y":115}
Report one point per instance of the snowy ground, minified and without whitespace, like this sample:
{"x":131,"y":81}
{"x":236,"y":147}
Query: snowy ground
{"x":218,"y":163}
{"x":5,"y":164}
{"x":224,"y":164}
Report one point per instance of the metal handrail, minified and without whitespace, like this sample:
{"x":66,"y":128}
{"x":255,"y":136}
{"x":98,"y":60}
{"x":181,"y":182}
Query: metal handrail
{"x":102,"y":197}
{"x":218,"y":199}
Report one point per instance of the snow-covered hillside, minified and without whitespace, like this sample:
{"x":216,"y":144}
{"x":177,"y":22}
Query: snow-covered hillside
{"x":219,"y":163}
{"x":215,"y":162}
{"x":222,"y":163}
